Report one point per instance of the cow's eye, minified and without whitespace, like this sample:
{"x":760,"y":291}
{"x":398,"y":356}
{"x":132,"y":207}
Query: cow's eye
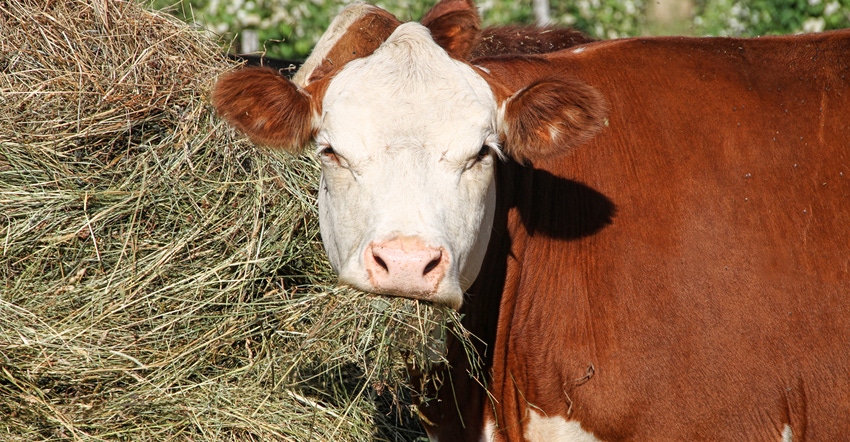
{"x":329,"y":157}
{"x":484,"y":152}
{"x":328,"y":153}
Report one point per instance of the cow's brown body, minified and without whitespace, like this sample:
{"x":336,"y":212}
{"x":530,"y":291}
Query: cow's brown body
{"x":685,"y":275}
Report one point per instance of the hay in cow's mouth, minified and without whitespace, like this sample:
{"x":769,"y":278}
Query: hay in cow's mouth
{"x":161,"y":278}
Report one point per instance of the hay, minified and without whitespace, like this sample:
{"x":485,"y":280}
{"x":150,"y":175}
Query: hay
{"x":161,"y":278}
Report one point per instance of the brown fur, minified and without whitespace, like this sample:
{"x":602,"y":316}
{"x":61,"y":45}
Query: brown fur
{"x":264,"y":105}
{"x":684,"y":274}
{"x":511,"y":40}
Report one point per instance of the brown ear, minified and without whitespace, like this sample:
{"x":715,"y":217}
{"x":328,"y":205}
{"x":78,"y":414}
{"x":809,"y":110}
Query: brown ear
{"x":455,"y":25}
{"x":267,"y":107}
{"x":550,"y":116}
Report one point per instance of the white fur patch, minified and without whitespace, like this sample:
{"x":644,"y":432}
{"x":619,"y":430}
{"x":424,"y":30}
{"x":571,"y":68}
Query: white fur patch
{"x":542,"y":428}
{"x":786,"y":433}
{"x":489,"y":433}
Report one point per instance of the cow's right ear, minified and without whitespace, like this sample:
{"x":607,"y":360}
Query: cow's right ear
{"x":267,"y":107}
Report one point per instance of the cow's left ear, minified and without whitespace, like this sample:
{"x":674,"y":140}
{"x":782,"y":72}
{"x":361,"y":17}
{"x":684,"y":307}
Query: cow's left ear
{"x":455,"y":25}
{"x":550,"y":116}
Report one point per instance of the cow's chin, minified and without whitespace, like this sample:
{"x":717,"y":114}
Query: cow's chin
{"x":448,"y":293}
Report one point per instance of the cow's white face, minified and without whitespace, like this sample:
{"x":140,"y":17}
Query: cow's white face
{"x":408,"y":144}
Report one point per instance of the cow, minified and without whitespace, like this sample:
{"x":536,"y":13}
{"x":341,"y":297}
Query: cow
{"x":649,"y":236}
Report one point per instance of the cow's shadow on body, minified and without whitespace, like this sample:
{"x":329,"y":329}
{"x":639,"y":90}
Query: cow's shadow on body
{"x":553,"y":206}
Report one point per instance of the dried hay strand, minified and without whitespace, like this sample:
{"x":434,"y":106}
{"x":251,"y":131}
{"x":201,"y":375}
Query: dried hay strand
{"x":161,"y":278}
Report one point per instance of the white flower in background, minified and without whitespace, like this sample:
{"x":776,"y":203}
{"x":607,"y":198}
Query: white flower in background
{"x":814,"y":24}
{"x":247,"y":19}
{"x":831,"y":8}
{"x":584,"y":8}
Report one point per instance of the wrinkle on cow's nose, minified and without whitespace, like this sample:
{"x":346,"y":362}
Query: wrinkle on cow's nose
{"x":405,"y":266}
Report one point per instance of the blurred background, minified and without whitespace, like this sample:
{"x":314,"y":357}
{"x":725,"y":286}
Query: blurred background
{"x":290,"y":28}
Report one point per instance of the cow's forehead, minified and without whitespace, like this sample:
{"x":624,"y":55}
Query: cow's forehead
{"x":409,"y":87}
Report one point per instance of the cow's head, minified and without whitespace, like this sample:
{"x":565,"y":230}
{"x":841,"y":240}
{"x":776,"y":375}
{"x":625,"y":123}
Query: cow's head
{"x":408,"y":135}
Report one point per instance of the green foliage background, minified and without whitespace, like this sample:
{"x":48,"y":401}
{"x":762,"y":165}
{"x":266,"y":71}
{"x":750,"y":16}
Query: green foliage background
{"x":289,"y":28}
{"x":761,"y":17}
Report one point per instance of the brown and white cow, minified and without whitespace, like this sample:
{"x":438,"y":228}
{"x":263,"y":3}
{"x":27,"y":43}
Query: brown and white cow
{"x":650,"y":236}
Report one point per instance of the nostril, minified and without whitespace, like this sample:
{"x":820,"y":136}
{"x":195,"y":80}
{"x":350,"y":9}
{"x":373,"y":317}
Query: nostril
{"x":432,"y":265}
{"x":380,"y":262}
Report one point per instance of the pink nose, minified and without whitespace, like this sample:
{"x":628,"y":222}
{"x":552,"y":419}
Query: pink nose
{"x":405,"y":266}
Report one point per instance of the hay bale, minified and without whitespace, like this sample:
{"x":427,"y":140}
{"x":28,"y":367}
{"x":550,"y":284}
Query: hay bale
{"x":161,"y":278}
